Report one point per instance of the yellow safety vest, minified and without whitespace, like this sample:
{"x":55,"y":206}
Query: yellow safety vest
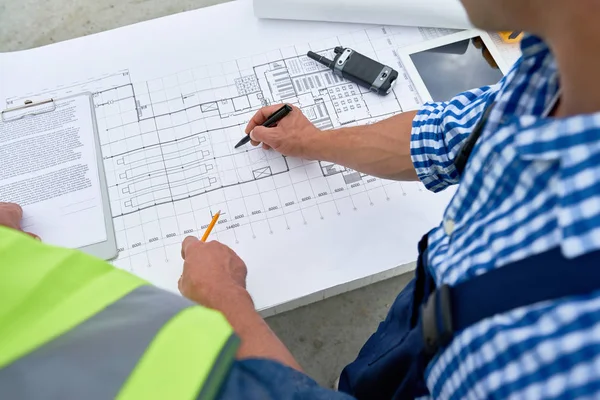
{"x":74,"y":327}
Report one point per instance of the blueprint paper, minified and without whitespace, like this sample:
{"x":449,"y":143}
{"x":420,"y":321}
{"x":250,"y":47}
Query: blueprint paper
{"x":431,"y":13}
{"x":171,"y":104}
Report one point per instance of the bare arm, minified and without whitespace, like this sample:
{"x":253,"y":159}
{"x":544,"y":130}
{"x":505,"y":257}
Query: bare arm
{"x":215,"y":277}
{"x":381,"y":149}
{"x":257,"y":339}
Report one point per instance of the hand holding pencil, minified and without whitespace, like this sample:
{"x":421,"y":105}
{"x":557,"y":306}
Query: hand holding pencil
{"x":210,"y":269}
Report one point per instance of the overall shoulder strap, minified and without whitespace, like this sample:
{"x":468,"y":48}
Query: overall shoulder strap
{"x":542,"y":277}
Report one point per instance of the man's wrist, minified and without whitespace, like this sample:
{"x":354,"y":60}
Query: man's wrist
{"x":331,"y":143}
{"x":226,"y":298}
{"x":322,"y":146}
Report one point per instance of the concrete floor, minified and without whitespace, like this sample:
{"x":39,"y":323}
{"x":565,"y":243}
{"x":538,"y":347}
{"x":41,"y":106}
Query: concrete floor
{"x":324,"y":336}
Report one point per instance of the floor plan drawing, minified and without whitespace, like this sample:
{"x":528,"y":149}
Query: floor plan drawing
{"x":168,"y":146}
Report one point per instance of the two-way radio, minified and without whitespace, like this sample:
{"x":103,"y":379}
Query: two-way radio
{"x":362,"y":70}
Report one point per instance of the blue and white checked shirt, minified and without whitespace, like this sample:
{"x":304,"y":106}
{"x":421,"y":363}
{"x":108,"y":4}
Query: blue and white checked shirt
{"x":532,"y":183}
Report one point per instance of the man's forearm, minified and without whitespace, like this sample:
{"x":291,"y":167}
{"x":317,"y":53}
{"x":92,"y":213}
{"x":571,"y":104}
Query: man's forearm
{"x":258,"y":340}
{"x":381,"y":149}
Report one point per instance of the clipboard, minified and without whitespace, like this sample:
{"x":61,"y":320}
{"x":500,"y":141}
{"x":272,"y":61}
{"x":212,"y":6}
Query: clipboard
{"x":107,"y":249}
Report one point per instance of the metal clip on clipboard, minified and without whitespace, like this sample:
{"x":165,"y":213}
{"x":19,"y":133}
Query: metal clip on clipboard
{"x":27,"y":109}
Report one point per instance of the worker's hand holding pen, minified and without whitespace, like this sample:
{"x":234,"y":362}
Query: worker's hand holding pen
{"x":293,"y":136}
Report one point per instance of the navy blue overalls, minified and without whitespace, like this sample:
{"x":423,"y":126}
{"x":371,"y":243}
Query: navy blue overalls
{"x":424,"y":319}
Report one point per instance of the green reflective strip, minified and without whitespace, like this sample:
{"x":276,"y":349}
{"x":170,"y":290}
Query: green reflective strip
{"x":179,"y":361}
{"x":220,"y":370}
{"x":45,"y":291}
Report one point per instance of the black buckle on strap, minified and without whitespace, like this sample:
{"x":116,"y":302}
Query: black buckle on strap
{"x":437,"y":309}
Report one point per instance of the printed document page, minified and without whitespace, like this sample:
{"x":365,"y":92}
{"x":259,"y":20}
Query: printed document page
{"x":49,"y":167}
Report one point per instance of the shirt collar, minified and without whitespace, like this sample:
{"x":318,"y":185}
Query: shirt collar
{"x":532,"y":45}
{"x":541,"y":137}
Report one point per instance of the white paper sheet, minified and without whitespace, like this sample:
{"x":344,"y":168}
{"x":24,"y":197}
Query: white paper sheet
{"x":431,"y":13}
{"x":173,"y":96}
{"x":49,"y":166}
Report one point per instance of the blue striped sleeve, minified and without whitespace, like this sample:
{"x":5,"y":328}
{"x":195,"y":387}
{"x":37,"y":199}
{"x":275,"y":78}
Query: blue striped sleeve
{"x":438,"y":132}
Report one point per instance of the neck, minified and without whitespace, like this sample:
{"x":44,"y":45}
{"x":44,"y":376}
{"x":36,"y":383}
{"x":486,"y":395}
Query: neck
{"x":575,"y":42}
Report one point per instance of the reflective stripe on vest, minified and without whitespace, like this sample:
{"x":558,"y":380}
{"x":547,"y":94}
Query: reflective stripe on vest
{"x":72,"y":326}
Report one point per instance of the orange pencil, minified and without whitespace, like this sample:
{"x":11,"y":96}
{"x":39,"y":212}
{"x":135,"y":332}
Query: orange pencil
{"x":211,"y":226}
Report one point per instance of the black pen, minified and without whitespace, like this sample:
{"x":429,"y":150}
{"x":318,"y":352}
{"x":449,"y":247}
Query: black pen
{"x":272,"y":120}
